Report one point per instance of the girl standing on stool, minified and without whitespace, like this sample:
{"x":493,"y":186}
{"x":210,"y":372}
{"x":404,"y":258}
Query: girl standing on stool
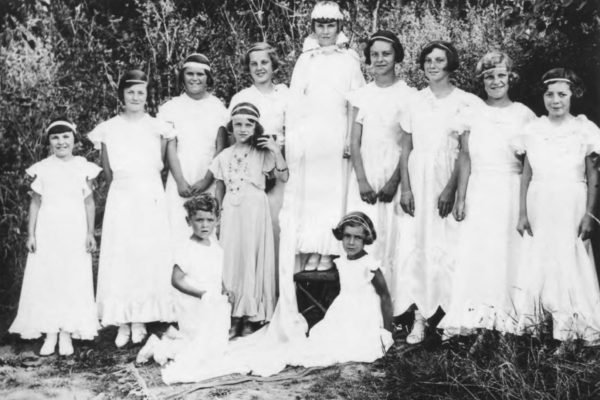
{"x":558,"y":198}
{"x":135,"y":254}
{"x":57,"y":297}
{"x":199,"y":120}
{"x":375,"y":144}
{"x":246,"y":234}
{"x":425,"y":257}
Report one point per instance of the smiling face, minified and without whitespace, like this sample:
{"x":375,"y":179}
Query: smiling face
{"x":383,"y":58}
{"x":62,"y":144}
{"x":353,"y":240}
{"x":195,"y":81}
{"x":326,"y":33}
{"x":134,"y":98}
{"x":496,"y":82}
{"x":261,"y":67}
{"x":202,"y":223}
{"x":243,"y":128}
{"x":436,"y":65}
{"x":557,"y":99}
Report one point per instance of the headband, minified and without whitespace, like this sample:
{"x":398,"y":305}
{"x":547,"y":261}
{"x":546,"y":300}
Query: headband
{"x":135,"y":81}
{"x":493,"y":69}
{"x":200,"y":65}
{"x":243,"y":111}
{"x":258,"y":46}
{"x":67,"y":124}
{"x":359,"y":220}
{"x":387,"y":39}
{"x":327,"y":10}
{"x":552,"y":80}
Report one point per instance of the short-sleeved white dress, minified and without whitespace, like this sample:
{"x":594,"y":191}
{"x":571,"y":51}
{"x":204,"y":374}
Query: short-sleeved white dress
{"x":246,"y":230}
{"x":378,"y":111}
{"x":558,"y":275}
{"x":426,"y":253}
{"x":58,"y":291}
{"x":489,"y":247}
{"x":196,"y":123}
{"x":134,"y":275}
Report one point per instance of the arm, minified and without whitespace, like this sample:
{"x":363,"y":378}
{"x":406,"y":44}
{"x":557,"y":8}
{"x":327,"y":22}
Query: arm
{"x":203,"y":183}
{"x":387,"y":193}
{"x":367,"y":194}
{"x":380,"y":286}
{"x":183,"y":187}
{"x":222,"y":140}
{"x":106,"y":165}
{"x":587,"y":222}
{"x":464,"y":172}
{"x":447,"y":197}
{"x":34,"y":208}
{"x":180,"y":282}
{"x":349,"y":123}
{"x":220,"y":191}
{"x":90,"y":216}
{"x":523,"y":224}
{"x":281,"y":170}
{"x":407,"y":201}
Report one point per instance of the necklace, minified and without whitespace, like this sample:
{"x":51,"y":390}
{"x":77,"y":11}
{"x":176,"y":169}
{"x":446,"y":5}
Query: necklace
{"x":237,"y":172}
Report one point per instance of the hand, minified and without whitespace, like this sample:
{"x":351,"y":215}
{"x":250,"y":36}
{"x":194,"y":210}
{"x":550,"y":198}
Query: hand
{"x":387,"y":193}
{"x":184,"y":189}
{"x":367,"y":194}
{"x":268,"y":143}
{"x":524,"y":226}
{"x":445,"y":202}
{"x":197,"y":188}
{"x":230,"y":296}
{"x":407,"y":202}
{"x":347,"y":152}
{"x":90,"y":243}
{"x":459,"y":210}
{"x":31,"y":244}
{"x":586,"y":227}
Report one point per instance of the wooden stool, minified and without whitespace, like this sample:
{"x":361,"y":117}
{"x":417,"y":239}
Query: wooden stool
{"x":319,"y":289}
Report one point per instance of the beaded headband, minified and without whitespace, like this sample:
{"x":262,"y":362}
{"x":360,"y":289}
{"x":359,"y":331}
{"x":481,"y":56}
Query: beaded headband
{"x":66,"y":124}
{"x":327,"y":10}
{"x":358,"y":220}
{"x":197,"y":64}
{"x":247,"y":112}
{"x":135,"y":81}
{"x":552,"y":80}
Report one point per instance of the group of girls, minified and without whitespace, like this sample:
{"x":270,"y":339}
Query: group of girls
{"x":481,"y":209}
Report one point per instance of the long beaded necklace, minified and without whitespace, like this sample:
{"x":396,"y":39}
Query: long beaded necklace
{"x":237,"y":172}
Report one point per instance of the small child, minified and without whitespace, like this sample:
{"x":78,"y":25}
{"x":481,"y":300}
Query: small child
{"x":57,"y":297}
{"x":203,"y":314}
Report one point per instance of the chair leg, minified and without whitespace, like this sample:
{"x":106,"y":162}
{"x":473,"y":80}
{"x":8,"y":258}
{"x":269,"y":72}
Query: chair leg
{"x":312,"y":299}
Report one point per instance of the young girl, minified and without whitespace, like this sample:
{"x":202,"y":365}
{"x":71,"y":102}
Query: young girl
{"x":203,"y":315}
{"x":246,"y":234}
{"x":558,"y":198}
{"x":135,"y":255}
{"x":487,"y":203}
{"x":199,"y":120}
{"x":375,"y":144}
{"x":425,"y":254}
{"x":57,"y":297}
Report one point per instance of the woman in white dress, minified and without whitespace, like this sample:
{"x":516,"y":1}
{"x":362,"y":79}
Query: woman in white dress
{"x":135,"y":254}
{"x":488,"y":204}
{"x":425,"y":258}
{"x":558,"y":198}
{"x":199,"y":120}
{"x":375,"y":145}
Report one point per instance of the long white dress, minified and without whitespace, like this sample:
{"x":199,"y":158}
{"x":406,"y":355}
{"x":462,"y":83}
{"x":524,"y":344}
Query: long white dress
{"x":134,"y":275}
{"x":489,"y":247}
{"x":558,"y":275}
{"x":425,"y":258}
{"x":378,"y":111}
{"x":196,"y":123}
{"x":58,"y":292}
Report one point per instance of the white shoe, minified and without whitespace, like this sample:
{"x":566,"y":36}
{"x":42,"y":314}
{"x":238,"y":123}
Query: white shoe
{"x":147,"y":352}
{"x":313,"y":262}
{"x":417,"y":334}
{"x":49,"y":344}
{"x":138,"y":332}
{"x":172,"y":333}
{"x":123,"y":335}
{"x":65,"y":345}
{"x":325,"y":264}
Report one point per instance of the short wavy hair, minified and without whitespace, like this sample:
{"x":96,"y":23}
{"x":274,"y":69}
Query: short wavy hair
{"x":386,"y":36}
{"x":565,"y":75}
{"x":130,"y":78}
{"x":356,"y":219}
{"x":261,"y":46}
{"x":202,"y":202}
{"x":447,"y":47}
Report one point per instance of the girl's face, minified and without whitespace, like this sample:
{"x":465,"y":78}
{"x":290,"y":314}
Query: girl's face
{"x":62,"y":144}
{"x":261,"y":68}
{"x":326,"y":33}
{"x":195,"y":81}
{"x":382,"y":57}
{"x":202,"y":223}
{"x":435,"y":65}
{"x":495,"y":83}
{"x":243,"y":129}
{"x":353,"y":240}
{"x":557,"y":99}
{"x":134,"y":98}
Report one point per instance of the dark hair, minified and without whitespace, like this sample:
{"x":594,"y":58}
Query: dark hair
{"x":385,"y":36}
{"x":575,"y":83}
{"x":60,"y":128}
{"x":199,"y":58}
{"x":447,"y":47}
{"x":203,"y":202}
{"x":261,"y":46}
{"x":249,"y":109}
{"x":130,"y":78}
{"x":356,"y":219}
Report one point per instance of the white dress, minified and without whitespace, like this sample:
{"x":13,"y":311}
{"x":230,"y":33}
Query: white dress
{"x":58,"y":292}
{"x":321,"y":81}
{"x":558,"y":275}
{"x":196,"y":123}
{"x":425,"y":258}
{"x":489,"y":248}
{"x":134,"y":274}
{"x":378,"y":111}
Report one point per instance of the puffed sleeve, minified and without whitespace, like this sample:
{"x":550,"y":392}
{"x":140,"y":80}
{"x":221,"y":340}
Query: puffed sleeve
{"x":165,"y":129}
{"x":165,"y":113}
{"x":590,"y":134}
{"x":36,"y":172}
{"x":216,"y":166}
{"x":98,"y":135}
{"x":518,"y":143}
{"x":223,"y":114}
{"x":90,"y":171}
{"x":405,"y":119}
{"x":357,"y":80}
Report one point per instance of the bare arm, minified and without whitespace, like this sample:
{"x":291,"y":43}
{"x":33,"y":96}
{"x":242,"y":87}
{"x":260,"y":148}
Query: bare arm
{"x":90,"y":216}
{"x":464,"y":172}
{"x":183,"y":187}
{"x":587,"y":222}
{"x":523,"y":224}
{"x":367,"y":194}
{"x":220,"y":191}
{"x":380,"y":286}
{"x":34,"y":208}
{"x":222,"y":139}
{"x":108,"y":175}
{"x":387,"y":193}
{"x":349,"y":123}
{"x":203,"y":183}
{"x":407,"y":201}
{"x":180,"y":282}
{"x":448,"y":195}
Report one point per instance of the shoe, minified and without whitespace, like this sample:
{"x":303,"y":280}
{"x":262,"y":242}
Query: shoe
{"x":325,"y":264}
{"x":138,"y":332}
{"x":65,"y":345}
{"x":147,"y":351}
{"x":417,"y":334}
{"x":49,"y":344}
{"x":313,"y":262}
{"x":478,"y":345}
{"x":247,"y":329}
{"x":172,"y":333}
{"x":234,"y":329}
{"x":123,"y":335}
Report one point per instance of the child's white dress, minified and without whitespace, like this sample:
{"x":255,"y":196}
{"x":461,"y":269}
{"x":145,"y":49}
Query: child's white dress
{"x":558,"y":275}
{"x":378,"y":110}
{"x":58,"y":291}
{"x":134,"y":275}
{"x":196,"y":123}
{"x":489,"y":247}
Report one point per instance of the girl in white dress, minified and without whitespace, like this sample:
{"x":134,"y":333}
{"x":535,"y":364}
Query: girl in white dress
{"x":375,"y":145}
{"x":199,"y":120}
{"x":135,"y":254}
{"x":488,"y":204}
{"x":318,"y":131}
{"x":425,"y":258}
{"x":558,"y":198}
{"x":261,"y":61}
{"x":203,"y":308}
{"x":57,"y":297}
